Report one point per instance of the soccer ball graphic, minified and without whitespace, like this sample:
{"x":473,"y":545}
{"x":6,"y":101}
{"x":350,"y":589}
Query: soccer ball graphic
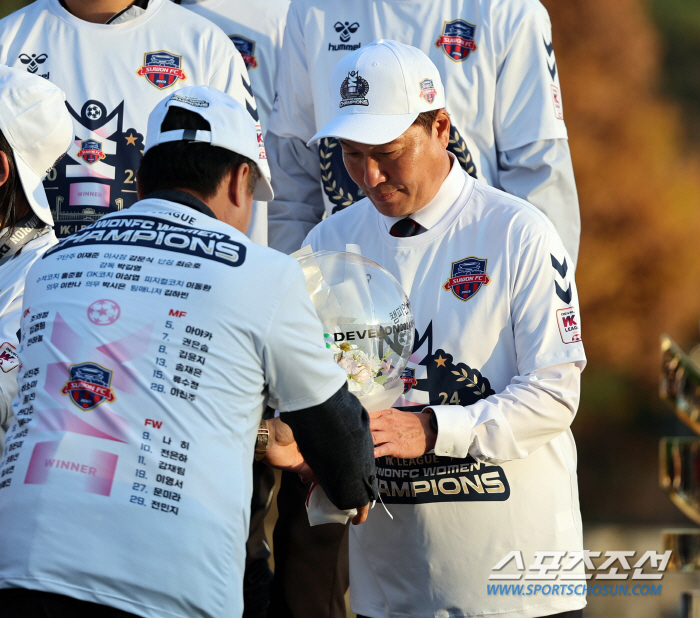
{"x":93,"y":112}
{"x":103,"y":312}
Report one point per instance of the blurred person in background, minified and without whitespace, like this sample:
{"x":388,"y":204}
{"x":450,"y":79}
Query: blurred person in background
{"x":501,"y":78}
{"x":115,"y":60}
{"x":256,"y":29}
{"x":35,"y":132}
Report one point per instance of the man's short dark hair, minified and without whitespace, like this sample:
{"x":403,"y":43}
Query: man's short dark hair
{"x":426,"y":120}
{"x":196,"y":166}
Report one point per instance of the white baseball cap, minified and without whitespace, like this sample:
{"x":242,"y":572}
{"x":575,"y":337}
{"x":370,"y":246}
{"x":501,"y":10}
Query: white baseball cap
{"x":231,"y":127}
{"x":378,"y":92}
{"x":37,"y":125}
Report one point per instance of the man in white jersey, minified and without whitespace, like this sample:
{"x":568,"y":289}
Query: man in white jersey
{"x":164,"y":332}
{"x":503,"y":97}
{"x":256,"y":29}
{"x":115,"y":60}
{"x":477,"y":460}
{"x":507,"y":129}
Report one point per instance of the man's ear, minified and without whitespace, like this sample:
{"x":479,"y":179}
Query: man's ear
{"x":441,"y":127}
{"x":4,"y":168}
{"x":238,"y":185}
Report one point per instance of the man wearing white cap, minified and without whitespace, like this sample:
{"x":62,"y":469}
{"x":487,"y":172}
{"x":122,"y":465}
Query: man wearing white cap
{"x":497,"y":62}
{"x":35,"y":132}
{"x":477,"y":462}
{"x":127,"y":492}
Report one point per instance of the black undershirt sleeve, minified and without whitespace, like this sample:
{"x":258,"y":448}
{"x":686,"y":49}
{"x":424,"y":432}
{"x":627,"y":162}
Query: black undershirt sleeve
{"x":335,"y":440}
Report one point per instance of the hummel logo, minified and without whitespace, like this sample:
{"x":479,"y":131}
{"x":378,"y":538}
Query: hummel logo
{"x":562,"y":269}
{"x":550,"y":50}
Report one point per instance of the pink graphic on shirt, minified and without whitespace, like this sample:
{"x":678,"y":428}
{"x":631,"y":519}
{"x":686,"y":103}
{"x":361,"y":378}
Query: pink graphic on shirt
{"x":105,"y":465}
{"x":38,"y":473}
{"x":100,"y":422}
{"x":98,"y":472}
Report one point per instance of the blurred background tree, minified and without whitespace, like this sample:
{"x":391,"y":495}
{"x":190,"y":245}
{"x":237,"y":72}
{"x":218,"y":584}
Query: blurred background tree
{"x":629,"y":84}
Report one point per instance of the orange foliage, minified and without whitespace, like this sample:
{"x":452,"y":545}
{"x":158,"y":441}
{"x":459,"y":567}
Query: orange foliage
{"x":639,"y":189}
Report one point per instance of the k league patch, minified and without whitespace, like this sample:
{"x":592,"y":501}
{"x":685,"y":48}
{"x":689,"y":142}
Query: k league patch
{"x":162,"y":69}
{"x":91,"y":151}
{"x":467,"y":277}
{"x":427,"y":90}
{"x":354,"y":89}
{"x":246,"y":47}
{"x":568,"y":327}
{"x":8,"y":357}
{"x":89,"y":386}
{"x":457,"y":39}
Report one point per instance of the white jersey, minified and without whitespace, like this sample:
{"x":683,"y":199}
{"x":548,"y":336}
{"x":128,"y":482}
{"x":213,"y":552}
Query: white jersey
{"x":497,"y":355}
{"x":150,"y":343}
{"x":113,"y":76}
{"x":256,"y":29}
{"x":12,"y":276}
{"x":501,"y":83}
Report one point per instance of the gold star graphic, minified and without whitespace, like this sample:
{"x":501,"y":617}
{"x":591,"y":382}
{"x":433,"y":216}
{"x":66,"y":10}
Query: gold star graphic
{"x":131,"y":139}
{"x":440,"y":361}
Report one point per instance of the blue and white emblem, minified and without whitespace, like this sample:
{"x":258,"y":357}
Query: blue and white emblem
{"x":467,"y":277}
{"x":457,"y":39}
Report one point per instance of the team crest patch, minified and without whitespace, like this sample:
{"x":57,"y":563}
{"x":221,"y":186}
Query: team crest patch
{"x":354,"y":89}
{"x":8,"y":357}
{"x":427,"y":90}
{"x":457,"y":39}
{"x":91,"y":151}
{"x":409,"y":379}
{"x":162,"y":69}
{"x":246,"y":47}
{"x":568,"y":326}
{"x":89,"y":386}
{"x":468,"y":275}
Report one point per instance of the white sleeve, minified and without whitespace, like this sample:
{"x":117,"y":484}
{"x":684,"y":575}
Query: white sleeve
{"x":542,"y":174}
{"x":293,"y":108}
{"x":531,"y":411}
{"x":232,"y":78}
{"x":299,"y":369}
{"x":528,"y":95}
{"x":298,"y":204}
{"x":296,"y":176}
{"x":541,"y":400}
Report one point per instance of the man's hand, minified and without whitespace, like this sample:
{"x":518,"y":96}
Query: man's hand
{"x":283,"y":452}
{"x":401,"y":434}
{"x":361,"y":516}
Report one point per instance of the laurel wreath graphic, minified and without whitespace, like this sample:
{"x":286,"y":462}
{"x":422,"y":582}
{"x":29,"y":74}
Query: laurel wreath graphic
{"x":459,"y":147}
{"x":472,"y":381}
{"x":330,"y":185}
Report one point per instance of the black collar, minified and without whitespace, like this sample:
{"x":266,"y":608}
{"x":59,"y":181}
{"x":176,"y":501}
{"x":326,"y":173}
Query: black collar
{"x":181,"y":197}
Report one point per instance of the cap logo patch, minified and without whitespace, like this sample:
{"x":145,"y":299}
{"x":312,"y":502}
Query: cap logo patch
{"x":457,"y":39}
{"x":189,"y":100}
{"x":354,"y":89}
{"x":427,"y":90}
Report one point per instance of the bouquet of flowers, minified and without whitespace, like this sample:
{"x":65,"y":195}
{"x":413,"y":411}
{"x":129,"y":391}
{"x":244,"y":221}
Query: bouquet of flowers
{"x":369,"y":328}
